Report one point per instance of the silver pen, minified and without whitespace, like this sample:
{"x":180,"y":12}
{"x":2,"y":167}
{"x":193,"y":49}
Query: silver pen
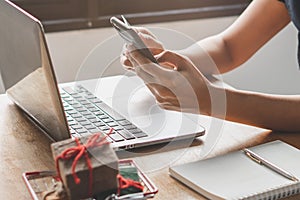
{"x":270,"y":165}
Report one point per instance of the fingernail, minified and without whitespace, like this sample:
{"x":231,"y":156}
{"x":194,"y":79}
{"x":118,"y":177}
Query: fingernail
{"x":126,"y":52}
{"x":130,"y":47}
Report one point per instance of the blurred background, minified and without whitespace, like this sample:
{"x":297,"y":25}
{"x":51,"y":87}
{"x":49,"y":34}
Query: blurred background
{"x":75,"y":27}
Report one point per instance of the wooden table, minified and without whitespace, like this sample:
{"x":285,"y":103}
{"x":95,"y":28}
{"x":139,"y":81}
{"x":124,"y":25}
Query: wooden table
{"x":23,"y":147}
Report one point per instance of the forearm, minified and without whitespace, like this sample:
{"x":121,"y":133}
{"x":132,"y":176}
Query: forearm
{"x":257,"y":25}
{"x":276,"y":112}
{"x":209,"y":55}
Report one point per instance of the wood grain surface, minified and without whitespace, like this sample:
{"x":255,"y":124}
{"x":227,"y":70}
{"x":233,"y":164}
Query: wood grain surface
{"x":23,"y":148}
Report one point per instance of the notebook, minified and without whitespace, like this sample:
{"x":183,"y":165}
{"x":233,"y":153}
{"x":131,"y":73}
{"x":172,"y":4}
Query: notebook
{"x":235,"y":176}
{"x":82,"y":107}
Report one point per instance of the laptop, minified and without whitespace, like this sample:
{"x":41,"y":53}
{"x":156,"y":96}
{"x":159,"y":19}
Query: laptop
{"x":86,"y":107}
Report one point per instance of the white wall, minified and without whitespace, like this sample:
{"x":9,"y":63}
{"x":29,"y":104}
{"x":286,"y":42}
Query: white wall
{"x":69,"y":49}
{"x":273,"y":69}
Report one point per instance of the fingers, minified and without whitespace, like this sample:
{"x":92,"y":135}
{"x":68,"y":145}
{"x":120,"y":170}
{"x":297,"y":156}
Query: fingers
{"x":144,"y":31}
{"x":154,"y":45}
{"x":124,"y":60}
{"x":165,"y":98}
{"x":170,"y":58}
{"x":168,"y":65}
{"x":126,"y":63}
{"x":131,"y":59}
{"x":150,"y":40}
{"x":139,"y":71}
{"x":134,"y":55}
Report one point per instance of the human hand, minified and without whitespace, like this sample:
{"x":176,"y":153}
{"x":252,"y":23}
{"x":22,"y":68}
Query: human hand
{"x":176,"y":83}
{"x":150,"y":41}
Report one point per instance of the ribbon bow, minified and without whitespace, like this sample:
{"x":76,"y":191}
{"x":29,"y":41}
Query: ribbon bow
{"x":125,"y":183}
{"x":79,"y":151}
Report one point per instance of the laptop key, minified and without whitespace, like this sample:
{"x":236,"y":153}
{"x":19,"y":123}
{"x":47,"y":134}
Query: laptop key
{"x":109,"y":139}
{"x":69,"y":118}
{"x":77,"y":106}
{"x":94,"y":130}
{"x":134,"y":131}
{"x":95,"y":120}
{"x":103,"y":116}
{"x":85,"y":112}
{"x":72,"y":123}
{"x":94,"y":110}
{"x":63,"y":94}
{"x":118,"y":128}
{"x":90,"y":96}
{"x":75,"y":96}
{"x":76,"y":126}
{"x":84,"y":102}
{"x":76,"y":115}
{"x":82,"y":130}
{"x":90,"y":116}
{"x":89,"y":106}
{"x":124,"y":122}
{"x":96,"y":100}
{"x":68,"y":108}
{"x":65,"y":104}
{"x":140,"y":135}
{"x":71,"y":111}
{"x":80,"y":119}
{"x":130,"y":126}
{"x":73,"y":103}
{"x":69,"y":90}
{"x":99,"y":124}
{"x":104,"y":128}
{"x":99,"y":112}
{"x":126,"y":134}
{"x":90,"y":126}
{"x":85,"y":134}
{"x":112,"y":124}
{"x":85,"y":123}
{"x":109,"y":111}
{"x":116,"y":137}
{"x":72,"y":131}
{"x":79,"y":98}
{"x":82,"y":109}
{"x":107,"y":120}
{"x":79,"y":88}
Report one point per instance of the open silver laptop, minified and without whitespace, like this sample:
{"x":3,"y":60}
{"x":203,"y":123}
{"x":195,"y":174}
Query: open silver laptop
{"x":77,"y":109}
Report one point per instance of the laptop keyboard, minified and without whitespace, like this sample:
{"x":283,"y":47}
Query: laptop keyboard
{"x":86,"y":114}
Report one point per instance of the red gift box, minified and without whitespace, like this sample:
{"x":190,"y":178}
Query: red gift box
{"x":86,"y":166}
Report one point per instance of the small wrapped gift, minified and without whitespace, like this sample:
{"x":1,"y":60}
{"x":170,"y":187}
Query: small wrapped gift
{"x":129,"y":181}
{"x":86,"y":166}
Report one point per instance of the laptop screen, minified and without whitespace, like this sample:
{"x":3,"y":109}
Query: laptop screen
{"x":27,"y":72}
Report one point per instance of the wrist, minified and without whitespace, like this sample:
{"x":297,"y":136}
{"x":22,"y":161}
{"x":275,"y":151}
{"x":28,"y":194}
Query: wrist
{"x":217,"y":106}
{"x":200,"y":58}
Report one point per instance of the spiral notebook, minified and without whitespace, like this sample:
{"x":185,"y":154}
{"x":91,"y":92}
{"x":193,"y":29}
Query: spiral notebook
{"x":235,"y":176}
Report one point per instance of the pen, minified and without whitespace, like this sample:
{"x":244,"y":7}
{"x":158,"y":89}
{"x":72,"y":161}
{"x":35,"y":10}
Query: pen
{"x":268,"y":164}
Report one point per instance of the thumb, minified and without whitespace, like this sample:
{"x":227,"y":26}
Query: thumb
{"x":169,"y":59}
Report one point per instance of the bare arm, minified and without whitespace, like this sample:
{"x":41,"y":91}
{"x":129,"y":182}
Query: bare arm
{"x":258,"y":24}
{"x":276,"y":112}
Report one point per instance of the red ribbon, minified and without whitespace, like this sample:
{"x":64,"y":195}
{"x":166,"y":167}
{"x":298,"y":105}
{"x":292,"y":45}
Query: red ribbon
{"x":79,"y":151}
{"x":125,"y":183}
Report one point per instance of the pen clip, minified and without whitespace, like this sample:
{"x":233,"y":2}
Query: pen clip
{"x":252,"y":157}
